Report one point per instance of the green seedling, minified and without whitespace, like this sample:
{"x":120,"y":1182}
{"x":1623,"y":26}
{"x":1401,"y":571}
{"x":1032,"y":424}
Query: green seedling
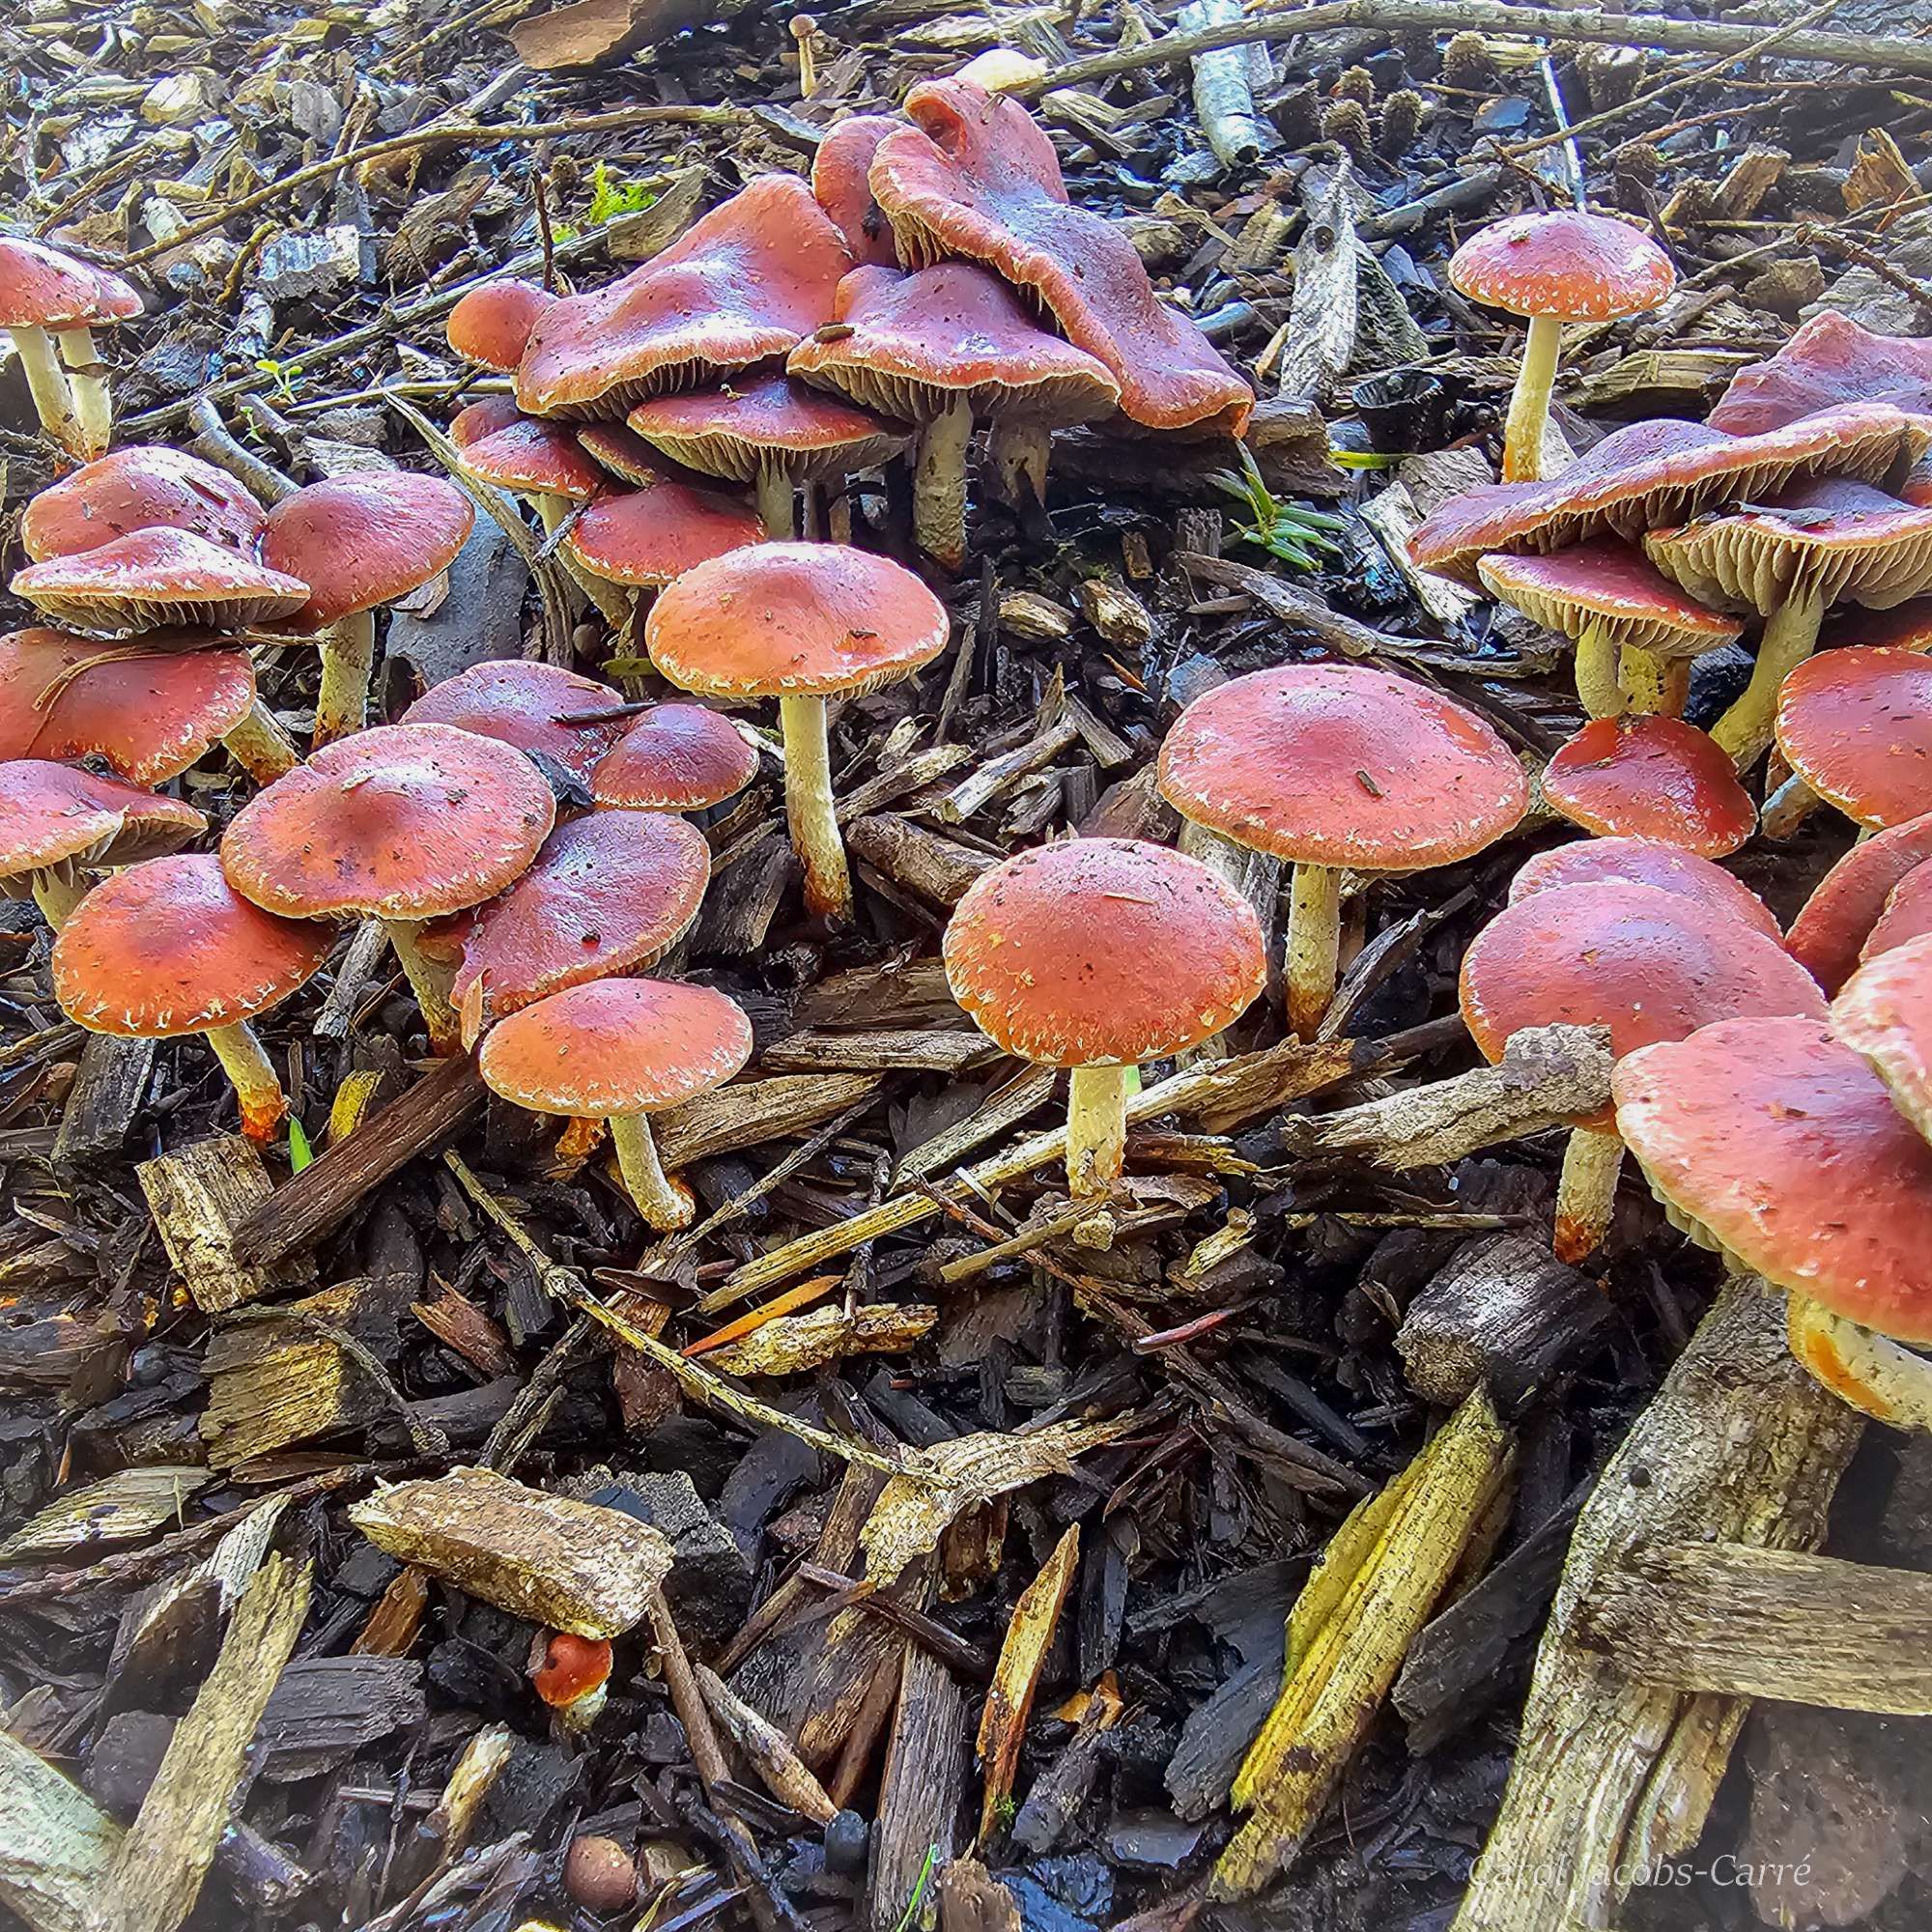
{"x":1283,"y":529}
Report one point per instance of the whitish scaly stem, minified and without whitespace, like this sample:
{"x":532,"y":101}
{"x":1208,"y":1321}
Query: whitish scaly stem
{"x":1652,"y":685}
{"x":1313,"y":946}
{"x":1873,"y":1374}
{"x":1529,"y":404}
{"x":256,"y":1086}
{"x":53,"y":394}
{"x":86,"y":381}
{"x":261,"y":746}
{"x":348,"y":659}
{"x":1790,"y":634}
{"x":810,"y":811}
{"x":57,"y":892}
{"x":1096,"y":1143}
{"x":939,"y":484}
{"x":774,"y":499}
{"x":1017,"y":452}
{"x":663,"y":1203}
{"x":1597,"y":671}
{"x":431,"y":982}
{"x":1788,"y":808}
{"x":1586,"y":1196}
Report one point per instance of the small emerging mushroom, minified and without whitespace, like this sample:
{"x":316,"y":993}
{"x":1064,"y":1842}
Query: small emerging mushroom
{"x":492,"y":322}
{"x":1651,"y":777}
{"x":572,"y":1675}
{"x":1856,"y":727}
{"x":168,"y":948}
{"x":49,"y":304}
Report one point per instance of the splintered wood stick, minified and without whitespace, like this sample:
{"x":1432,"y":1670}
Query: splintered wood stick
{"x":785,"y":1774}
{"x":1023,"y":1653}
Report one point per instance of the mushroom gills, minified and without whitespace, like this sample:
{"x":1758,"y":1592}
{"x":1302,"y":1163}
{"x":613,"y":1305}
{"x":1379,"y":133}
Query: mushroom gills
{"x":1871,"y":1373}
{"x":57,"y":891}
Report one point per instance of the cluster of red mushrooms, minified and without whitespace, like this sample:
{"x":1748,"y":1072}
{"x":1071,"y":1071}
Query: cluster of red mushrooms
{"x":933,"y":277}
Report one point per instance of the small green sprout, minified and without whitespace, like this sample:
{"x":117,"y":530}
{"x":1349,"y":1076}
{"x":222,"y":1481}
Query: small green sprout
{"x":1283,"y":529}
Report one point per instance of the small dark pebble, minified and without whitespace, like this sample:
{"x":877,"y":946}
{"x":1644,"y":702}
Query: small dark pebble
{"x":847,"y":1838}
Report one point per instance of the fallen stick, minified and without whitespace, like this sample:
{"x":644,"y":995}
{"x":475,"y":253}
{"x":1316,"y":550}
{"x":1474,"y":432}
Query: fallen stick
{"x":1223,"y":96}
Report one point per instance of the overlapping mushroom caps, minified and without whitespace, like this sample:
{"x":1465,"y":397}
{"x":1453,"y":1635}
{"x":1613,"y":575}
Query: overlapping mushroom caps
{"x":840,"y":182}
{"x":152,"y":578}
{"x":1651,"y":777}
{"x":941,"y":347}
{"x":1648,"y":964}
{"x":358,"y":542}
{"x":1834,"y":922}
{"x":492,"y":324}
{"x":620,"y":1050}
{"x":1907,"y":914}
{"x":976,"y":177}
{"x":674,"y":758}
{"x":1564,"y":266}
{"x":1643,"y":862}
{"x":50,"y":305}
{"x":1856,"y":727}
{"x":169,"y":948}
{"x":652,"y":534}
{"x":538,"y":708}
{"x":1779,"y":1145}
{"x":138,"y":489}
{"x":1830,"y":361}
{"x":743,"y":284}
{"x":1635,"y":632}
{"x":1334,"y":767}
{"x":800,"y":622}
{"x":1097,"y":954}
{"x":402,"y":823}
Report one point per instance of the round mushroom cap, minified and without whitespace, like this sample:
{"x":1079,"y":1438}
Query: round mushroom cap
{"x":1645,"y":776}
{"x":1579,"y":267}
{"x":55,"y":815}
{"x":620,"y":450}
{"x":1830,"y":360}
{"x":365,"y":539}
{"x":1649,"y":475}
{"x":794,"y":620}
{"x":168,"y":948}
{"x":1645,"y":963}
{"x":740,"y":286}
{"x":1784,"y":1148}
{"x":148,"y":712}
{"x":771,"y":424}
{"x":1847,"y":902}
{"x":1832,"y":541}
{"x":1857,"y":727}
{"x":617,"y":1048}
{"x":658,"y":532}
{"x":839,"y":181}
{"x":401,"y":822}
{"x":1907,"y":914}
{"x":1644,"y":862}
{"x":910,"y":344}
{"x":976,"y":177}
{"x":41,"y":288}
{"x":492,"y":324}
{"x":485,"y":417}
{"x":138,"y":489}
{"x":1337,"y":765}
{"x":1102,"y":953}
{"x":1612,"y":585}
{"x":522,"y":703}
{"x":152,"y":578}
{"x":537,"y":457}
{"x":609,"y":892}
{"x":1905,"y":627}
{"x":674,"y":758}
{"x":1884,"y":1014}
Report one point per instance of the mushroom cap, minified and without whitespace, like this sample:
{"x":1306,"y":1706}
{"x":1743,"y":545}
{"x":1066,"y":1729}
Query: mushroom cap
{"x":1102,"y":953}
{"x":1829,"y":361}
{"x":492,"y":324}
{"x":1337,"y":765}
{"x":53,"y":815}
{"x":41,"y":288}
{"x":1782,"y":1144}
{"x":403,"y":822}
{"x":620,"y":450}
{"x":609,"y":892}
{"x":1648,"y":475}
{"x":539,"y":457}
{"x":910,"y":343}
{"x":521,"y":703}
{"x":616,"y":1048}
{"x":740,"y":286}
{"x":1907,"y":914}
{"x":1905,"y":627}
{"x":794,"y":620}
{"x":1608,"y":583}
{"x":485,"y":417}
{"x":365,"y":539}
{"x":1580,"y":267}
{"x":168,"y":947}
{"x":1884,"y":1013}
{"x":841,"y":182}
{"x":152,"y":578}
{"x":1644,"y":862}
{"x":976,"y":177}
{"x":674,"y":758}
{"x":1857,"y":727}
{"x":138,"y":489}
{"x":658,"y":532}
{"x":571,"y":1668}
{"x":1654,"y":778}
{"x":1833,"y":540}
{"x":1848,"y":901}
{"x":770,"y":423}
{"x":1647,"y":964}
{"x":149,"y":713}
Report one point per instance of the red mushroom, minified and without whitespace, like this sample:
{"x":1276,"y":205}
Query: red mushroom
{"x":1847,"y":902}
{"x":492,"y":322}
{"x":1651,"y":777}
{"x":49,"y":304}
{"x":840,"y":182}
{"x":674,"y":758}
{"x":1856,"y":727}
{"x":533,"y":706}
{"x":572,"y":1675}
{"x":651,"y":535}
{"x":152,"y":578}
{"x":1643,"y":862}
{"x":1907,"y":914}
{"x":138,"y":489}
{"x":1830,"y":361}
{"x":484,"y":417}
{"x":1884,"y":1013}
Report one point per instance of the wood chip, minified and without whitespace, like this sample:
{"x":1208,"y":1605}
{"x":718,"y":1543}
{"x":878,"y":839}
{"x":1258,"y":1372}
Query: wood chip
{"x":1003,"y":1720}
